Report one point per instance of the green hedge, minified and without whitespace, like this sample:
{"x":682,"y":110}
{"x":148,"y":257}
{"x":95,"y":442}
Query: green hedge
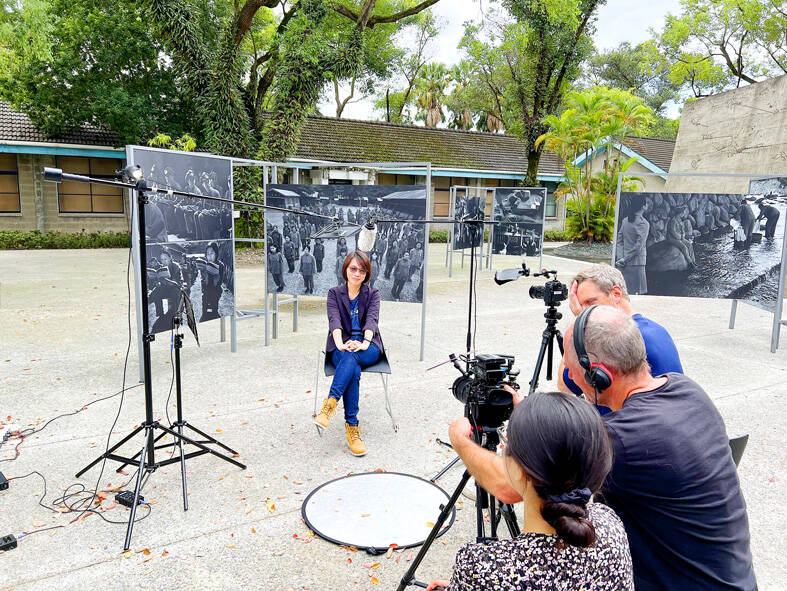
{"x":440,"y":236}
{"x":13,"y":240}
{"x":556,"y":236}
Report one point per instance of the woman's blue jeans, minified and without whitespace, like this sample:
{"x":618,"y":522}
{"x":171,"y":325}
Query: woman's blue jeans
{"x":347,"y":377}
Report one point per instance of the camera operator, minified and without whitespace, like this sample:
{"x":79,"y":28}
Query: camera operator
{"x":558,"y":454}
{"x":604,"y":285}
{"x":673,"y":480}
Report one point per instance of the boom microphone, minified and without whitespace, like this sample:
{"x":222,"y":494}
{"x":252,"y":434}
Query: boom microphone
{"x":367,"y":236}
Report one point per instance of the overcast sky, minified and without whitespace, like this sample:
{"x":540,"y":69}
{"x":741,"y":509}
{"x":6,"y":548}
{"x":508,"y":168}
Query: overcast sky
{"x":618,"y":21}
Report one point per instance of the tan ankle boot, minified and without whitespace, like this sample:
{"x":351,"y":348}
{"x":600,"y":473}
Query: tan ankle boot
{"x":357,"y":447}
{"x":324,"y":416}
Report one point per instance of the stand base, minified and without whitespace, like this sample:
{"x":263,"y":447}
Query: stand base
{"x":145,"y":458}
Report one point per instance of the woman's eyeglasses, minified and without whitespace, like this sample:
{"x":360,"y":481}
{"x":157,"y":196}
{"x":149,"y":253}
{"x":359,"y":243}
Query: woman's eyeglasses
{"x":355,"y":270}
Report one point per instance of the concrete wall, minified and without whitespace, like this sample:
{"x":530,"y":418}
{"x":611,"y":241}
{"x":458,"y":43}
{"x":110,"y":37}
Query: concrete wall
{"x":40,"y":210}
{"x":739,"y":131}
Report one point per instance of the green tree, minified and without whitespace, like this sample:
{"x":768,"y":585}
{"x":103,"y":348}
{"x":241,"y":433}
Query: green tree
{"x":406,"y":66}
{"x":535,"y":48}
{"x":65,"y":63}
{"x":431,"y":93}
{"x":640,"y":69}
{"x":713,"y":45}
{"x":596,"y":119}
{"x":239,"y":76}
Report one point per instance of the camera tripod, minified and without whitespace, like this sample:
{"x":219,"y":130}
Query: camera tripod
{"x":547,"y":344}
{"x":488,"y":438}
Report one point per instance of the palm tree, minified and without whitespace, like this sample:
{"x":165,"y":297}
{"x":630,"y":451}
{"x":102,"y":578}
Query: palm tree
{"x":430,"y":93}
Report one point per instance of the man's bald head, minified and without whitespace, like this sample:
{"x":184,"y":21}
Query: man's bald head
{"x":613,"y":339}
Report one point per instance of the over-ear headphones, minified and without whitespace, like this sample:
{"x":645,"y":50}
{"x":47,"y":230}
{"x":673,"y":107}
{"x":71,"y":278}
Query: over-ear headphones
{"x":596,"y":374}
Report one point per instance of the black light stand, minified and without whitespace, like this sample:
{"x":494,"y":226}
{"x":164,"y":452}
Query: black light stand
{"x":147,"y":463}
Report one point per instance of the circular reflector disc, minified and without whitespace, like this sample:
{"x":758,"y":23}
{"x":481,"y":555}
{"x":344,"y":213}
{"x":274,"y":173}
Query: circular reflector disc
{"x":374,"y":510}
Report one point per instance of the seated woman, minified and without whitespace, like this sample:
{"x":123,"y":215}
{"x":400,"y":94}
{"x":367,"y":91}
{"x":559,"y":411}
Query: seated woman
{"x":353,"y":343}
{"x":557,"y":455}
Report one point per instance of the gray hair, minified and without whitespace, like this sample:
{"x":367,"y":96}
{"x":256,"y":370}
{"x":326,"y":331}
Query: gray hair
{"x":605,"y":277}
{"x":612,"y":338}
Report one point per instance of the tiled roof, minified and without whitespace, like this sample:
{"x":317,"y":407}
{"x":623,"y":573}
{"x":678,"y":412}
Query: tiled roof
{"x":657,"y":150}
{"x":17,"y":127}
{"x":348,"y":140}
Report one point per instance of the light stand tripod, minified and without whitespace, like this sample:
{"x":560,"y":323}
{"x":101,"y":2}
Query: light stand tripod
{"x":147,"y":463}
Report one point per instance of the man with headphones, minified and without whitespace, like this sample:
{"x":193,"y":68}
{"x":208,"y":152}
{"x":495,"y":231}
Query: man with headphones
{"x":604,"y":285}
{"x":673,"y":482}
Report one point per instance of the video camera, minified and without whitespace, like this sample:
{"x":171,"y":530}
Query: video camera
{"x":480,"y":388}
{"x":552,"y":292}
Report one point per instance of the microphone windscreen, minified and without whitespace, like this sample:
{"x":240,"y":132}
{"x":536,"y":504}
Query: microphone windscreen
{"x":366,"y":238}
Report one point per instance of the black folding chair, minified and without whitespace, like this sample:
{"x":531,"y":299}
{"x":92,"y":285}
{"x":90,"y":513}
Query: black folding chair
{"x":738,"y":445}
{"x":382,"y":367}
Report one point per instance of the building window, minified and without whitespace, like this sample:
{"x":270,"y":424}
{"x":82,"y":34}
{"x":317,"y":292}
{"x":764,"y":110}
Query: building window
{"x":9,"y":184}
{"x":76,"y":197}
{"x":551,"y":205}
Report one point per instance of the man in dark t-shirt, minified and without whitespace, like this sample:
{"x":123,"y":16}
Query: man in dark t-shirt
{"x":673,"y":481}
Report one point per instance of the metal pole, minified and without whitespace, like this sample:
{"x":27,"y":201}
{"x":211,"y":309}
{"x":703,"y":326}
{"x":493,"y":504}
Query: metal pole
{"x":137,"y":267}
{"x":265,"y":246}
{"x":733,"y":311}
{"x":777,"y":316}
{"x":426,"y":259}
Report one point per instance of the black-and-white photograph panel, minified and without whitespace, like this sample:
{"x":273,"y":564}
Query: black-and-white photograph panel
{"x":467,"y":207}
{"x":174,"y":218}
{"x":519,"y":212}
{"x":298,"y":265}
{"x":202,"y":270}
{"x":701,"y":245}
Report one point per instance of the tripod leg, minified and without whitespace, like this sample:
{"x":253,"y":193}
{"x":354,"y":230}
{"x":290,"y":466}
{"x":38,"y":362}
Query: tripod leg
{"x":506,"y":510}
{"x":209,"y":438}
{"x":448,"y":466}
{"x":409,"y":577}
{"x":183,"y":470}
{"x":545,"y":341}
{"x":134,"y":457}
{"x":109,"y":451}
{"x":202,"y":447}
{"x":137,"y":489}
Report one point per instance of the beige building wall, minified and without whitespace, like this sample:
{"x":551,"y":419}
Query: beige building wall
{"x":739,"y":131}
{"x":40,"y":209}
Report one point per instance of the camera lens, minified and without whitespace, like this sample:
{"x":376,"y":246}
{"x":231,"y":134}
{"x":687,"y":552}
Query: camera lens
{"x":537,"y":292}
{"x":461,"y":388}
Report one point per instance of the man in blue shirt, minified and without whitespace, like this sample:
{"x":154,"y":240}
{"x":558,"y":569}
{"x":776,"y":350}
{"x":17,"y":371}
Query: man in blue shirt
{"x":604,"y":285}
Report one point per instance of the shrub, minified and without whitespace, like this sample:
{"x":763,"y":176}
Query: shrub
{"x":440,"y":236}
{"x":14,"y":240}
{"x":555,"y":236}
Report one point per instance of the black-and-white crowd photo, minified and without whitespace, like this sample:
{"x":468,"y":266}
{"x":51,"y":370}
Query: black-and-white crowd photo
{"x":468,"y":207}
{"x":702,"y":245}
{"x":298,"y":264}
{"x":193,"y":236}
{"x":200,"y":269}
{"x":519,"y":213}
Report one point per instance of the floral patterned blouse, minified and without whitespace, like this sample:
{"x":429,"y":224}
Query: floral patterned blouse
{"x":535,"y":562}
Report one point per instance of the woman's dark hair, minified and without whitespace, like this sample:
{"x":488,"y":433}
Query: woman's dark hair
{"x":561,"y":443}
{"x":362,"y":259}
{"x":212,"y":246}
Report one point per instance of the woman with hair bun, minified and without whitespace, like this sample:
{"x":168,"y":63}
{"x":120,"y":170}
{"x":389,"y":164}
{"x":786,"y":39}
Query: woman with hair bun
{"x":557,"y":455}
